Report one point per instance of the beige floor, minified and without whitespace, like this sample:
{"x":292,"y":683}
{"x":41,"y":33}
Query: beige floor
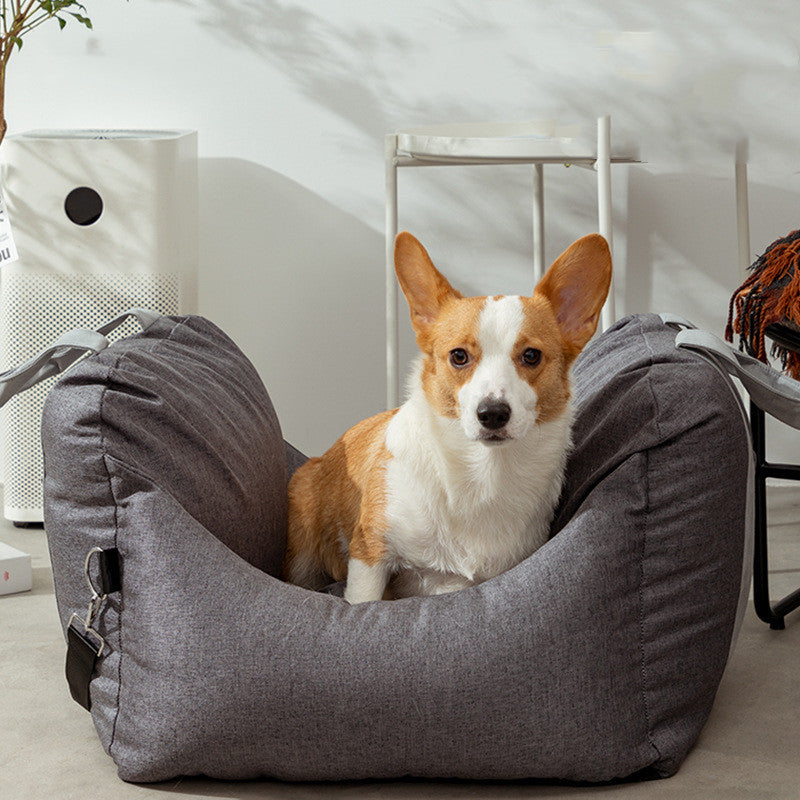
{"x":750,"y":748}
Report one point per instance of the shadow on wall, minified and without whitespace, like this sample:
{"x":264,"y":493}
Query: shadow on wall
{"x":685,"y":100}
{"x":673,"y":219}
{"x":298,"y":285}
{"x":380,"y":71}
{"x":681,"y":96}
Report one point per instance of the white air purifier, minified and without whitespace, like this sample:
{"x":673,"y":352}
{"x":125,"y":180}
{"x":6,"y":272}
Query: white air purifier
{"x":103,"y":220}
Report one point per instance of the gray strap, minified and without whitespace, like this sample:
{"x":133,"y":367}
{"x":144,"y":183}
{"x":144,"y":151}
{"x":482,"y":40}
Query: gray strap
{"x":64,"y":352}
{"x":771,"y":390}
{"x":144,"y":317}
{"x":676,"y":321}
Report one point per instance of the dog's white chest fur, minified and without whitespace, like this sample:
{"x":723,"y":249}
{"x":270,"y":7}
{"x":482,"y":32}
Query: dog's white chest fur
{"x":458,"y":511}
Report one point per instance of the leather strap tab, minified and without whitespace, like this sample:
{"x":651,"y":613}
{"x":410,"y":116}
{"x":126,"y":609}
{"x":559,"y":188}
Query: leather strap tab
{"x":110,"y":574}
{"x":82,"y":652}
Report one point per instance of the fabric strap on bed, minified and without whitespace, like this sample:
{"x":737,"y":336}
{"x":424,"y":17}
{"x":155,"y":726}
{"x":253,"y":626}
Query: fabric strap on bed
{"x":84,"y":644}
{"x":770,"y":389}
{"x":64,"y":352}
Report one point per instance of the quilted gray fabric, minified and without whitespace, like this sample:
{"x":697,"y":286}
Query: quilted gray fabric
{"x":596,"y":658}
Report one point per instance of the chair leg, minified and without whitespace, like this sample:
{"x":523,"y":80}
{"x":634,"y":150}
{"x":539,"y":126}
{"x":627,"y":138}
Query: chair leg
{"x":392,"y":335}
{"x":773,"y":615}
{"x":538,"y":221}
{"x":604,"y":207}
{"x":742,"y":216}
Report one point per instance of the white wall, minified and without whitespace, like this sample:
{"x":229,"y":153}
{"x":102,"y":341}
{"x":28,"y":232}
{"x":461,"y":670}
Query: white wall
{"x":292,"y":99}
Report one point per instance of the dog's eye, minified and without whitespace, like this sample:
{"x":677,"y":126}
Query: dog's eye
{"x":459,"y":357}
{"x":532,"y":356}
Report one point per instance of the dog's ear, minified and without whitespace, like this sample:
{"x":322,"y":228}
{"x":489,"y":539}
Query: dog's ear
{"x":425,"y":288}
{"x":577,"y":285}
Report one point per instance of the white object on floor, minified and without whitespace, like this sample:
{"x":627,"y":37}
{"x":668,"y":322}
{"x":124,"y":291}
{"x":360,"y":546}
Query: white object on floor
{"x":15,"y":570}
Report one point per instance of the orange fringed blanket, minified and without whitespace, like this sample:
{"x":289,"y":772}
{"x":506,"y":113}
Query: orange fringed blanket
{"x":770,"y":294}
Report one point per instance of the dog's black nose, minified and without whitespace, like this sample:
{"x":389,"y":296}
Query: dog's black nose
{"x":493,"y":414}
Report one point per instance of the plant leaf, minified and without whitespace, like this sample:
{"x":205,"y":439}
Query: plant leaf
{"x":83,"y":20}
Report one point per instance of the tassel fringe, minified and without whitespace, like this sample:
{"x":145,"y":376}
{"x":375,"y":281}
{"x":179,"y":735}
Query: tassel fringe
{"x":770,"y":294}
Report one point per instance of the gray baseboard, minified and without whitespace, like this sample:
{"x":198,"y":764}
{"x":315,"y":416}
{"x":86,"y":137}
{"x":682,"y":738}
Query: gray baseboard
{"x":783,"y":502}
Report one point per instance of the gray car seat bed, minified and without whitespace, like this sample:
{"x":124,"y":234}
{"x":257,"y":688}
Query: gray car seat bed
{"x":595,"y":659}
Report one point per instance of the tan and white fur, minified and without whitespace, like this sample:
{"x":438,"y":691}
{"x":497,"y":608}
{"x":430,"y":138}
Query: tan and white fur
{"x":460,"y":483}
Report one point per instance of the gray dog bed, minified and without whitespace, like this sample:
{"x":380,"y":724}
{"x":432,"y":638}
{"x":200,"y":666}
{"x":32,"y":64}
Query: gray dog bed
{"x":596,"y":658}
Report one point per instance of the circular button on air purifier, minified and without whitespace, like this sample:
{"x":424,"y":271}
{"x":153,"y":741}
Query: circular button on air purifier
{"x":83,"y":206}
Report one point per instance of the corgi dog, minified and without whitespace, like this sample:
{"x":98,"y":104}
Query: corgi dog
{"x":460,"y":482}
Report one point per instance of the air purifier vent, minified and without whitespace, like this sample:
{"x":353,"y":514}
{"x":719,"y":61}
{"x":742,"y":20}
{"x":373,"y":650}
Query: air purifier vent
{"x":38,"y":309}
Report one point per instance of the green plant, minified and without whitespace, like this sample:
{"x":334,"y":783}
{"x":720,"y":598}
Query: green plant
{"x":19,"y":18}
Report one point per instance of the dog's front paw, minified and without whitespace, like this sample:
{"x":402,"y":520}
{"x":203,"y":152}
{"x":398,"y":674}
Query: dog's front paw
{"x":365,"y":582}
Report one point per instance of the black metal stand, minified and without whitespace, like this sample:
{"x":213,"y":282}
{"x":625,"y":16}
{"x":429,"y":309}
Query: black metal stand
{"x":766,"y":611}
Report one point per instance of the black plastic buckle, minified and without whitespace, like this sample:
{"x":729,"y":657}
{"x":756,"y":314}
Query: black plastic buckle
{"x":83,"y":650}
{"x":84,"y":644}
